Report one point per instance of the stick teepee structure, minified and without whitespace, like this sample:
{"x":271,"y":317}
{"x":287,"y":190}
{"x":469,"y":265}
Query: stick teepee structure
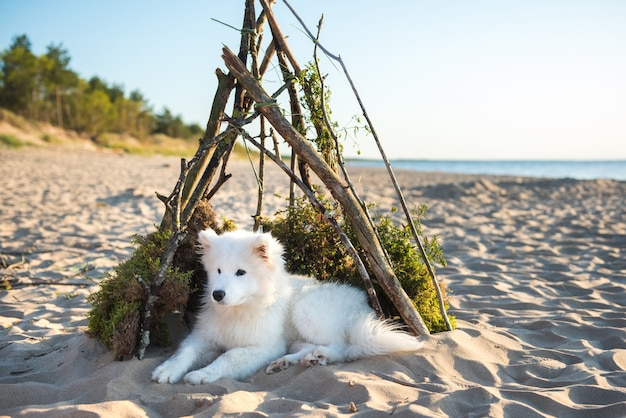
{"x":202,"y":176}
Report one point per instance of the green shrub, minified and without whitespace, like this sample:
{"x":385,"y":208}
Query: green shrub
{"x":312,"y":247}
{"x":11,"y":141}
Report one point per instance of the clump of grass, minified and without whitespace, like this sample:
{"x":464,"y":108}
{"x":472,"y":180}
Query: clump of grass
{"x":52,"y":140}
{"x":11,"y":141}
{"x":312,"y":247}
{"x":411,"y":269}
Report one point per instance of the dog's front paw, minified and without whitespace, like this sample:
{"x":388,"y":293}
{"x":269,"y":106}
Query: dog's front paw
{"x":317,"y":357}
{"x":278,"y":366}
{"x":200,"y":377}
{"x":167,"y":372}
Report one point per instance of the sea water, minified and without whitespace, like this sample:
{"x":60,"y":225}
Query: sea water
{"x":586,"y":170}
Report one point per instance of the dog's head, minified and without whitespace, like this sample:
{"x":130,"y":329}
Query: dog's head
{"x":242,"y":266}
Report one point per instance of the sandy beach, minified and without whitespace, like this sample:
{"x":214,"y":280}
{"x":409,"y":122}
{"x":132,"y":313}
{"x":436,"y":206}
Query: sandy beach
{"x":537,"y":270}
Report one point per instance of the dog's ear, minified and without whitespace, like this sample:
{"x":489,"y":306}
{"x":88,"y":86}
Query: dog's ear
{"x":205,"y":237}
{"x":262,"y":247}
{"x":267,"y":248}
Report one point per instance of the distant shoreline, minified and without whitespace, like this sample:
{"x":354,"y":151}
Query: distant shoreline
{"x":575,"y":169}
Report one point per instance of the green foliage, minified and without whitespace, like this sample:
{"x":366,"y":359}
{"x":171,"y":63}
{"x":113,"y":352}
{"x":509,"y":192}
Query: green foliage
{"x":410,"y":268}
{"x":313,"y":248}
{"x":19,"y":75}
{"x":114,"y":319}
{"x":316,"y":102}
{"x":10,"y":141}
{"x":49,"y":139}
{"x":173,"y":125}
{"x":13,"y":119}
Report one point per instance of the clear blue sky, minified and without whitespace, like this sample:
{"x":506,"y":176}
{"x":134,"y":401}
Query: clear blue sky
{"x":532,"y":79}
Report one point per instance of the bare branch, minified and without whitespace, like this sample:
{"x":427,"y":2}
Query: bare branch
{"x":278,"y":35}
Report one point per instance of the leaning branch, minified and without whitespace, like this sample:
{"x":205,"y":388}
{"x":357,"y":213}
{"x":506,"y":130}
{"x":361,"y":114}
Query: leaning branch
{"x":405,"y":209}
{"x":337,"y":187}
{"x":369,"y":285}
{"x":179,"y":232}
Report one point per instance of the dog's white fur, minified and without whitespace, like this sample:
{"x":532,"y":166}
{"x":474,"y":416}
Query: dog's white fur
{"x":254,"y":311}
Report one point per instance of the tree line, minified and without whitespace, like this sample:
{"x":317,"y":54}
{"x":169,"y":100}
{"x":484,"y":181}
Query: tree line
{"x":44,"y":88}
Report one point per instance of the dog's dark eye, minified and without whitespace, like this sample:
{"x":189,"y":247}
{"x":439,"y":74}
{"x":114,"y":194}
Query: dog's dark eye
{"x":219,"y":271}
{"x":240,"y":272}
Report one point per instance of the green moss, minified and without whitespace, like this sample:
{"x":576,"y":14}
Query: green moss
{"x":312,"y":247}
{"x":114,"y":319}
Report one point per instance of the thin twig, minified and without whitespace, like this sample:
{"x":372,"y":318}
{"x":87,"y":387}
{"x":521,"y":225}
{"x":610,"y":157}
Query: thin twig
{"x":394,"y":380}
{"x":203,"y":149}
{"x":261,"y":170}
{"x":261,"y":191}
{"x":278,"y":35}
{"x":86,"y":268}
{"x":42,"y":283}
{"x":269,"y":53}
{"x":179,"y":232}
{"x":15,"y":265}
{"x":340,"y":159}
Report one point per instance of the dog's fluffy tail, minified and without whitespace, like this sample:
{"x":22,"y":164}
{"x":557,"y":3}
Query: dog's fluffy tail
{"x":373,"y":337}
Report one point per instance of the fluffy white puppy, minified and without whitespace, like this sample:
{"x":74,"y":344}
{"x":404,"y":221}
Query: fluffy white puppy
{"x":254,"y":311}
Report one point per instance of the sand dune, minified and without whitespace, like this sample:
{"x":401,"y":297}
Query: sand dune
{"x":537,"y":268}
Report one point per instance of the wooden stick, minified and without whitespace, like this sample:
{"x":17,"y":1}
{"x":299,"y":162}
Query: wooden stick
{"x":278,"y":35}
{"x":178,"y":234}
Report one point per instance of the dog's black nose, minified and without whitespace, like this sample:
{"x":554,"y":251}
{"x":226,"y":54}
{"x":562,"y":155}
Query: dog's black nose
{"x":218,"y":295}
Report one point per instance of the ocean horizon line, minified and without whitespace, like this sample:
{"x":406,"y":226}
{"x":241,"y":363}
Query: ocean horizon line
{"x":490,"y":160}
{"x":575,"y":169}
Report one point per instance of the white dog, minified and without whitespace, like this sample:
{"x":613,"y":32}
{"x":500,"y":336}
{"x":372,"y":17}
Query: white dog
{"x":254,"y":311}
